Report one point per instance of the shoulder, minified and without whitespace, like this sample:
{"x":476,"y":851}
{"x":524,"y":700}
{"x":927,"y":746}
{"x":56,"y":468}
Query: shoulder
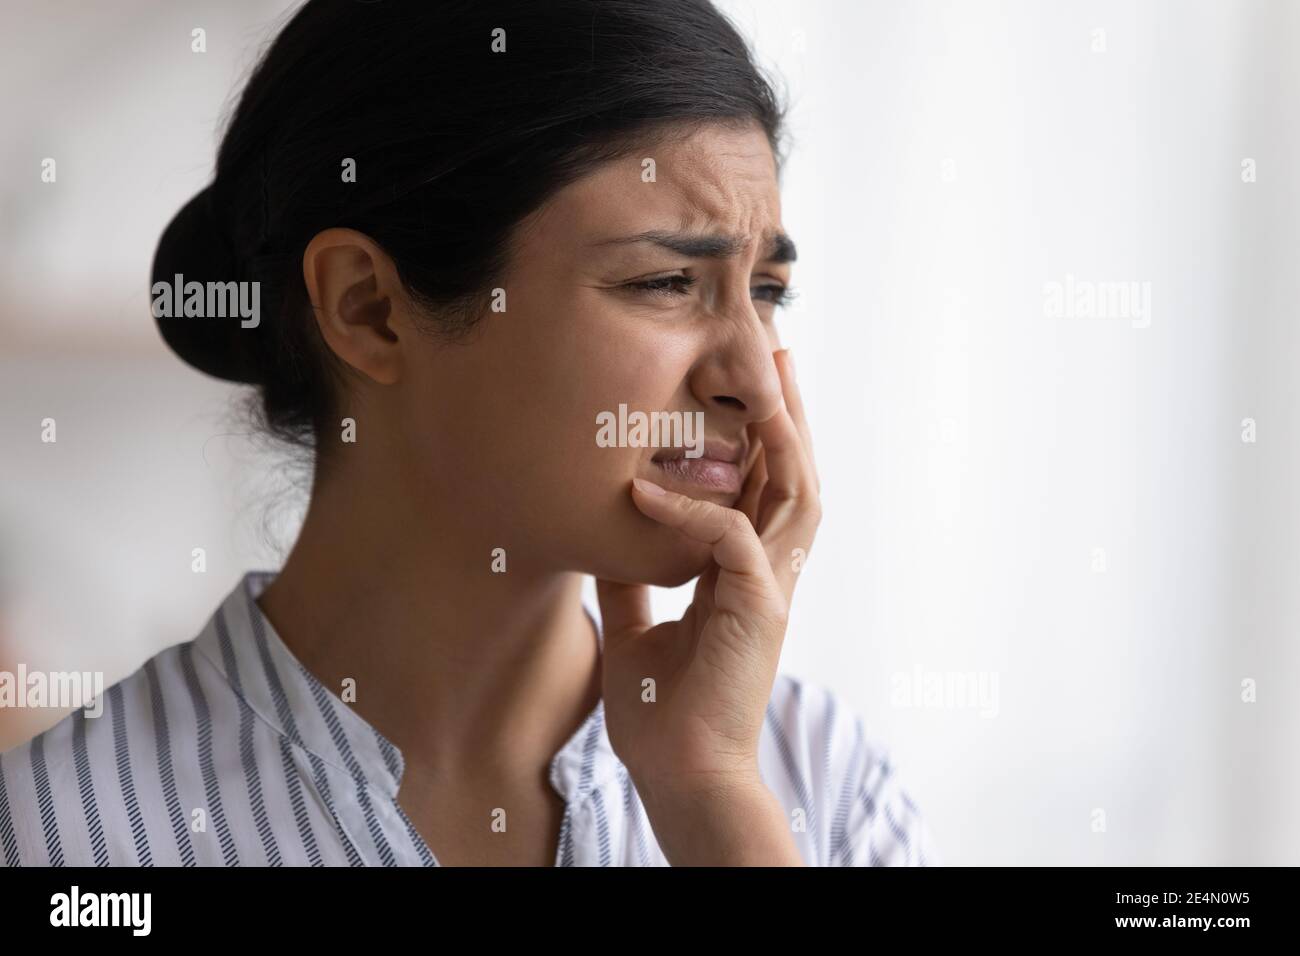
{"x":68,"y":796}
{"x":840,"y":785}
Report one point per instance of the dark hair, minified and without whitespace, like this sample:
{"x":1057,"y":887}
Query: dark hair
{"x":454,"y":145}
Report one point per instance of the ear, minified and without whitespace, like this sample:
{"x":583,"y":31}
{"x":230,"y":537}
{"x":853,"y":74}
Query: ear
{"x":357,"y":300}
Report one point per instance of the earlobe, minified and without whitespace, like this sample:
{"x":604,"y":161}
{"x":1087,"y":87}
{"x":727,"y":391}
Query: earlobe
{"x":349,"y":281}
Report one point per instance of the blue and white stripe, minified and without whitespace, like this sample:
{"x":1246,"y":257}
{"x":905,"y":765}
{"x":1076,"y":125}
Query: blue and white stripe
{"x":226,"y":751}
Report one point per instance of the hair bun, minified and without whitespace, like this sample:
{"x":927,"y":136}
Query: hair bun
{"x":196,"y":248}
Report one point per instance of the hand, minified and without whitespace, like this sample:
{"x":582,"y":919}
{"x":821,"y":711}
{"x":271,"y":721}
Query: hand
{"x":714,"y":669}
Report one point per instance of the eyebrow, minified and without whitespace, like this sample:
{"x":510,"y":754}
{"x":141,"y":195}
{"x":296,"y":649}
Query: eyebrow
{"x":709,"y":246}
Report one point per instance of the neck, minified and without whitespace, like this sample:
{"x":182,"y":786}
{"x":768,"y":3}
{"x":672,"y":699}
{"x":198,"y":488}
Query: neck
{"x":463,"y":669}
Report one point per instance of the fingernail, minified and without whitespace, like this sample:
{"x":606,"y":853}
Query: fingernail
{"x":649,"y":487}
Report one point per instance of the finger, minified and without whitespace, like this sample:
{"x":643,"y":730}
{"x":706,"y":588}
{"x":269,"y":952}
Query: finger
{"x":790,"y":505}
{"x":705,"y":587}
{"x":746,"y":586}
{"x":790,"y":480}
{"x":624,"y":610}
{"x":794,"y":402}
{"x":753,"y":488}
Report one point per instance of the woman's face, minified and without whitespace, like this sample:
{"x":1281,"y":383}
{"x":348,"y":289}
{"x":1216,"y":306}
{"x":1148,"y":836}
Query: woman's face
{"x":508,"y":426}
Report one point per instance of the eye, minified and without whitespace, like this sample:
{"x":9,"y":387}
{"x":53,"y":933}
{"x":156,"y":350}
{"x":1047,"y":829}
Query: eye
{"x":778,"y":295}
{"x":665,"y":286}
{"x":678,"y":285}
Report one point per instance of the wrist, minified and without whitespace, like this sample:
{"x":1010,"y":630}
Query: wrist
{"x":733,"y":820}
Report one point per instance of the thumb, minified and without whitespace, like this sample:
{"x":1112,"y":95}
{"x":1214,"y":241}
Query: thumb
{"x":624,"y":610}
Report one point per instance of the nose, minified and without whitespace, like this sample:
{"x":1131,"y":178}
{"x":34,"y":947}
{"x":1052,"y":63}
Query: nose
{"x":736,"y":379}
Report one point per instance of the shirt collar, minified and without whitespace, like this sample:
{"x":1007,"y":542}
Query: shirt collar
{"x":240,"y":642}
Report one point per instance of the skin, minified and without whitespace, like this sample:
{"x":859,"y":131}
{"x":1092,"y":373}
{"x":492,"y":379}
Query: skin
{"x":480,"y":677}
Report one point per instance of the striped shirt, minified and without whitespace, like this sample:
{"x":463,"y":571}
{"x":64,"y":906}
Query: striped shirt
{"x":226,"y":751}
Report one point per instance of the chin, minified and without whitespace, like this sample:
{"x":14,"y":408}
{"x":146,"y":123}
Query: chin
{"x":654,"y":555}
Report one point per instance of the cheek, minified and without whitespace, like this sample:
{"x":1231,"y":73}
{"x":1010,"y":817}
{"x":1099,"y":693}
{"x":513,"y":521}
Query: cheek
{"x":773,"y":336}
{"x":521,"y":417}
{"x":617,"y":359}
{"x":637,"y":362}
{"x":643,"y":367}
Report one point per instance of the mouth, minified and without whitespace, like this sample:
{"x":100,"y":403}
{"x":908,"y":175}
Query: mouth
{"x":719,"y":468}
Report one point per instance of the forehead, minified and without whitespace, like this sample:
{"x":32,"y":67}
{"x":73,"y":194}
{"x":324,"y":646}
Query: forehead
{"x":713,"y":177}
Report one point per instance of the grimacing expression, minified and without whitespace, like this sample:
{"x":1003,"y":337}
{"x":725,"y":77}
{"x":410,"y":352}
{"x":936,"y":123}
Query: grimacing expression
{"x":518,"y":404}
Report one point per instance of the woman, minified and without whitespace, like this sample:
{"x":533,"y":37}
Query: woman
{"x":479,"y":237}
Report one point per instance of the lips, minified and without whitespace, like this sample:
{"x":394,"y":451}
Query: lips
{"x":718,"y":469}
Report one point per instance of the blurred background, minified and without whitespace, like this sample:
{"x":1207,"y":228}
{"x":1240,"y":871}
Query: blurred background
{"x":1084,"y":515}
